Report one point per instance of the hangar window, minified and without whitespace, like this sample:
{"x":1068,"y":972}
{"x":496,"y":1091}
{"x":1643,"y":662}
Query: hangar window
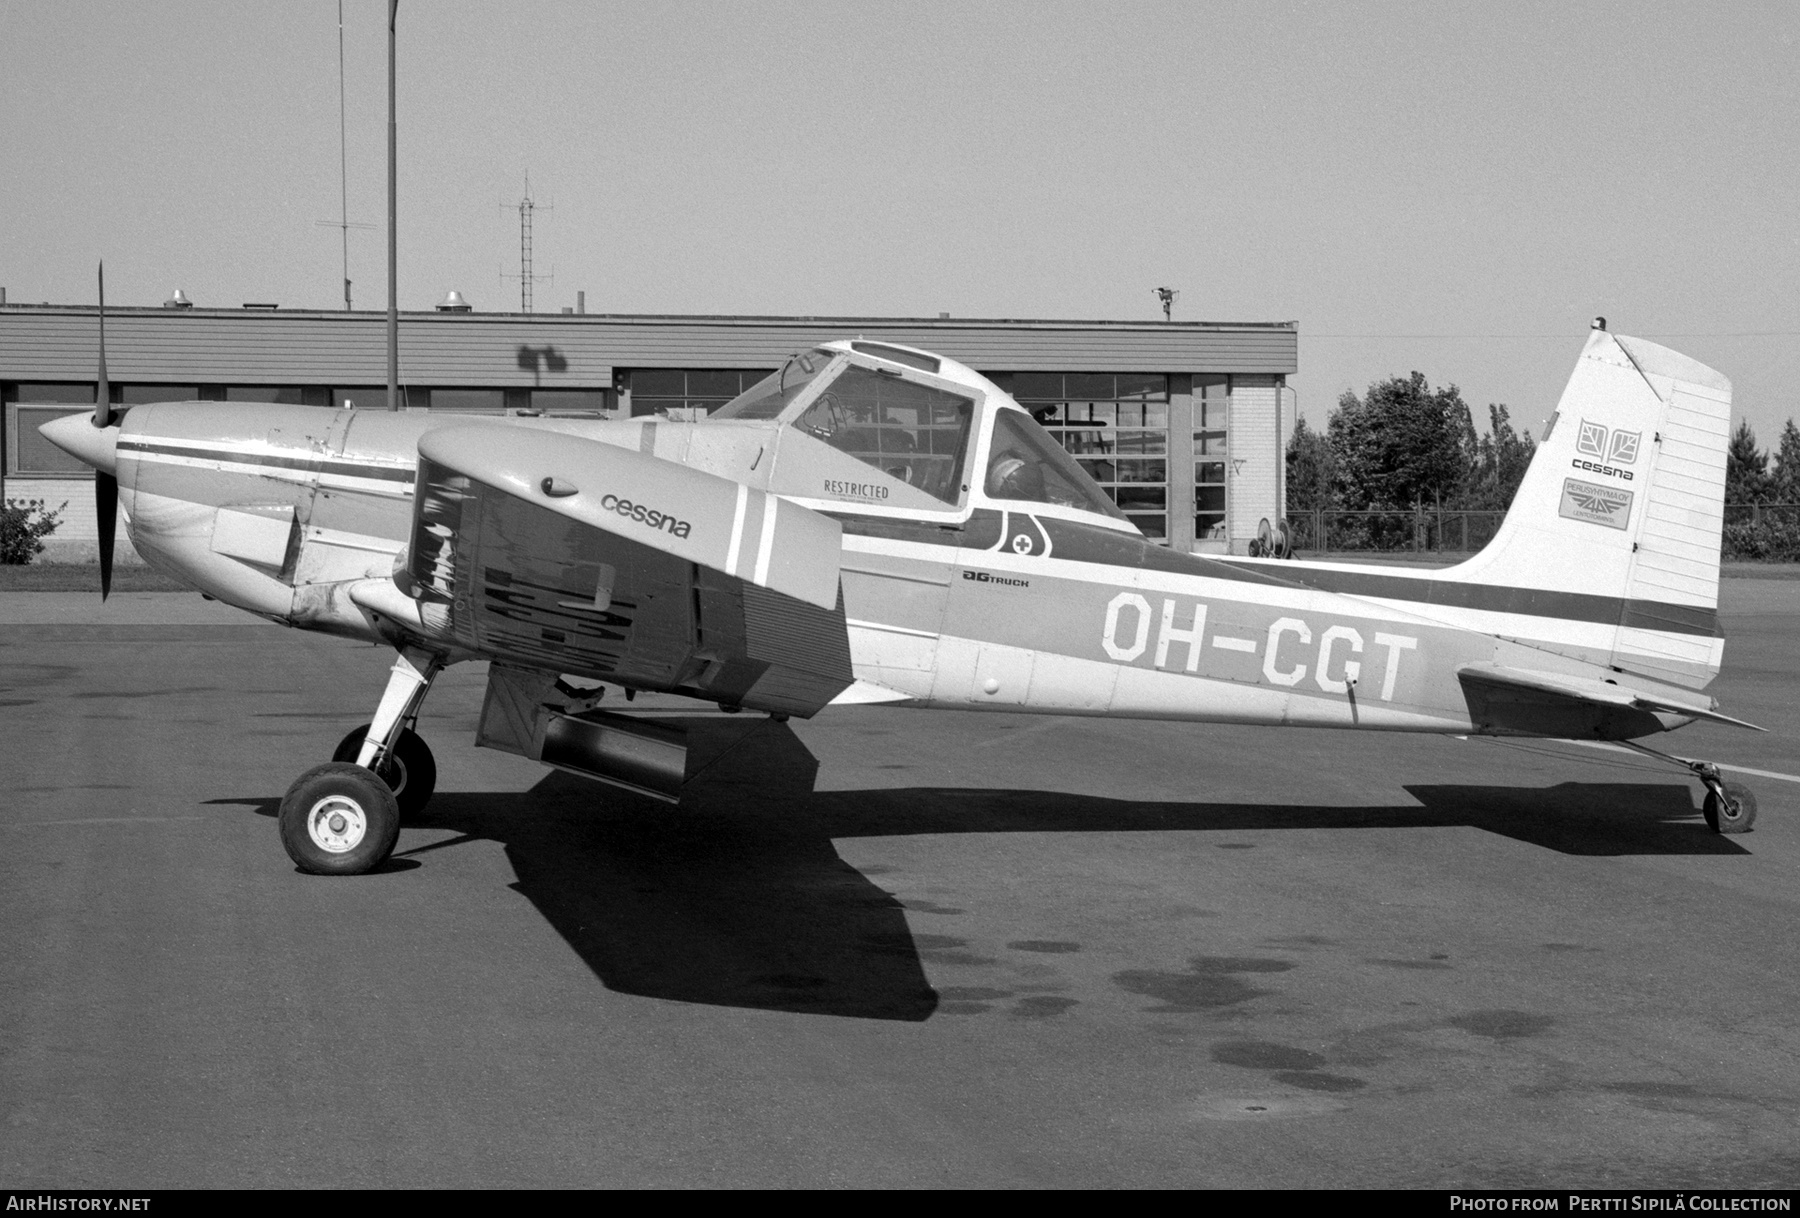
{"x":912,"y":432}
{"x":140,"y":395}
{"x":31,"y":453}
{"x":569,"y":401}
{"x":1117,"y":426}
{"x":55,"y":391}
{"x":656,"y":390}
{"x":279,"y":395}
{"x":770,"y":396}
{"x":462,"y":401}
{"x":1212,"y":400}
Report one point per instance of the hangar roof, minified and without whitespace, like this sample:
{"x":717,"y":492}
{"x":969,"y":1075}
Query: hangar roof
{"x":261,"y":346}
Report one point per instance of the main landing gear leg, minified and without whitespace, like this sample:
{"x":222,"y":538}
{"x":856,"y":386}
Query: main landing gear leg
{"x":342,"y":818}
{"x":1730,"y":807}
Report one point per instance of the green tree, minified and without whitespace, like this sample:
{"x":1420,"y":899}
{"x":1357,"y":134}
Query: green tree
{"x":1403,"y":443}
{"x":1497,"y":464}
{"x":1746,"y":467}
{"x":1784,"y":483}
{"x":1310,"y":463}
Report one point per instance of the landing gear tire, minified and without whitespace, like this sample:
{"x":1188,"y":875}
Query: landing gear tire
{"x":1735,"y":813}
{"x":339,"y":819}
{"x":409,"y":769}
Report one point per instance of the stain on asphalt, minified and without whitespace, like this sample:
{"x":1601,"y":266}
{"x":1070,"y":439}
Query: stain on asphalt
{"x":1502,"y":1025}
{"x":940,"y":949}
{"x":1041,"y":1006}
{"x":930,"y":908}
{"x":1656,"y":1091}
{"x":1211,"y":983}
{"x":1301,"y":941}
{"x":1314,"y":1080}
{"x":1234,"y":846}
{"x":1265,"y":1055}
{"x":1049,"y":946}
{"x":972,"y":993}
{"x":1419,"y":964}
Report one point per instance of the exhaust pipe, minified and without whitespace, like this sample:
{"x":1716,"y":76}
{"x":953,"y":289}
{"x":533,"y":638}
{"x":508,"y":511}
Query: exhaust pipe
{"x":648,"y":758}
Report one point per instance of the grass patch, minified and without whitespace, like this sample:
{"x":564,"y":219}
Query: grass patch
{"x":83,"y":577}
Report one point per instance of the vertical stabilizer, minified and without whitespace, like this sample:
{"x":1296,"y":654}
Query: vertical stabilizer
{"x":1625,"y":499}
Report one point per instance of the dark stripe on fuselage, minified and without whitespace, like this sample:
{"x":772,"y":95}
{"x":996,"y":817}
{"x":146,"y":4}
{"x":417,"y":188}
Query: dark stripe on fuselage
{"x":1084,"y":543}
{"x":310,"y":465}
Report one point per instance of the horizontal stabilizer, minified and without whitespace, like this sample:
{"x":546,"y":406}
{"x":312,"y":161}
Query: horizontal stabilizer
{"x":685,"y":512}
{"x":1513,"y":698}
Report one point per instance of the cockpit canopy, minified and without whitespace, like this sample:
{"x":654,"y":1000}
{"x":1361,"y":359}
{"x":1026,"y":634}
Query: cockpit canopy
{"x":920,"y":421}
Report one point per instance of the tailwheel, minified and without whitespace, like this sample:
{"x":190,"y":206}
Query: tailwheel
{"x":339,"y":819}
{"x":409,"y":769}
{"x":1730,"y":807}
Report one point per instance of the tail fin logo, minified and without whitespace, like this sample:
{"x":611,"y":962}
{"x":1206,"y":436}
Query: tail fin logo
{"x":1593,"y":440}
{"x":1595,"y":504}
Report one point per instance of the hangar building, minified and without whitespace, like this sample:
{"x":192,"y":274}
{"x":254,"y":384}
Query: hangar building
{"x":1183,"y":423}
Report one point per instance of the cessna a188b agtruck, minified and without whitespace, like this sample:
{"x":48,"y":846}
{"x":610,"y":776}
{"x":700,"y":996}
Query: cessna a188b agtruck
{"x":876,"y":525}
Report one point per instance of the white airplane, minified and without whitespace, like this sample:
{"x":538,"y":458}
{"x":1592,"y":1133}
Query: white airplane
{"x":877,"y":525}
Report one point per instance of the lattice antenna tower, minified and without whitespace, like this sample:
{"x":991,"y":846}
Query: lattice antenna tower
{"x":344,"y":223}
{"x":526,"y":207}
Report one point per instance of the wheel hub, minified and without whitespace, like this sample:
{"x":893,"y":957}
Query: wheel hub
{"x":337,"y":824}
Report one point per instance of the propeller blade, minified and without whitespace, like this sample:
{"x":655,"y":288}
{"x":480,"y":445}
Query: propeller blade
{"x":106,"y":511}
{"x":103,"y":391}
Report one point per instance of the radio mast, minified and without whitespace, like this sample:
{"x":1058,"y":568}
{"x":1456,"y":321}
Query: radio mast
{"x":525,"y":207}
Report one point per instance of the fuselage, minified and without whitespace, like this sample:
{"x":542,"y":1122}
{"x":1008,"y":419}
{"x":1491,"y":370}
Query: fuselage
{"x":284,"y":511}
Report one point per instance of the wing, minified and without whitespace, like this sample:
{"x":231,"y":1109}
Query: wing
{"x":1552,"y":704}
{"x":567,"y":555}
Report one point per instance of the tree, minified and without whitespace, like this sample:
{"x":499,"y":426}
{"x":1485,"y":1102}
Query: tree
{"x":1498,"y":463}
{"x":1746,"y":467}
{"x":1784,"y":483}
{"x":1310,"y":463}
{"x":1400,"y":445}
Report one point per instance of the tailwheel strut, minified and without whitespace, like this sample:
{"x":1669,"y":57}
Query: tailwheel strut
{"x":343,"y":817}
{"x":1730,"y":807}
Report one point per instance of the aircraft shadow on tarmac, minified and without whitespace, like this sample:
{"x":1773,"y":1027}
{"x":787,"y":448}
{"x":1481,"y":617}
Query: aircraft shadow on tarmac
{"x":739,"y":898}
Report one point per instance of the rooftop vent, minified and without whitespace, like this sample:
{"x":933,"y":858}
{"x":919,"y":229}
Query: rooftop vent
{"x":248,"y":304}
{"x":454,"y":303}
{"x":178,"y":300}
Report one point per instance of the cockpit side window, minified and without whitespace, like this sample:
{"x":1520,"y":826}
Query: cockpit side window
{"x":1025,"y":463}
{"x":908,"y":431}
{"x":771,"y":395}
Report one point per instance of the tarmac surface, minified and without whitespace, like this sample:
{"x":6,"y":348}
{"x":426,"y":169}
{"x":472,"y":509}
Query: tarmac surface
{"x":882,"y":947}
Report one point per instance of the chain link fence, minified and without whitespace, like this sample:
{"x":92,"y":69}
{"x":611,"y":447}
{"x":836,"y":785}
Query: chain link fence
{"x":1753,"y":531}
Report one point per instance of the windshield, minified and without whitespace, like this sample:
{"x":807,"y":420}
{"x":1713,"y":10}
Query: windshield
{"x":770,"y":396}
{"x":911,"y":432}
{"x":1025,"y":463}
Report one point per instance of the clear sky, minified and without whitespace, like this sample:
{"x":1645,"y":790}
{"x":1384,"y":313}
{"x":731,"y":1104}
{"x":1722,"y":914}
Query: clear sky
{"x":1455,"y":188}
